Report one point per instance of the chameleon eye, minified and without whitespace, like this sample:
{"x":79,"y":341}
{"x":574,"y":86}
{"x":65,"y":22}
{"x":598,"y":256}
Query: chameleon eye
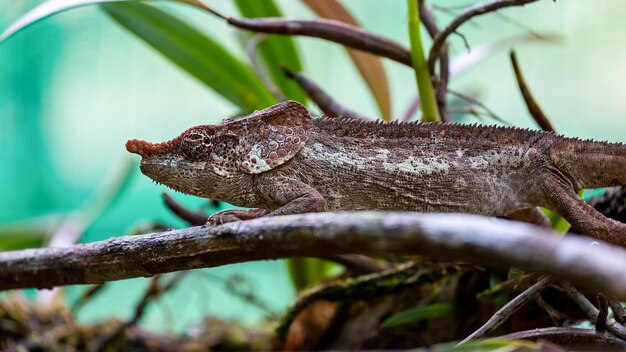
{"x":196,"y":146}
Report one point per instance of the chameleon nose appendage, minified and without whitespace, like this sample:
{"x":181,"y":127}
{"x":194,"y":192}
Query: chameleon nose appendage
{"x":137,"y":146}
{"x":146,"y":149}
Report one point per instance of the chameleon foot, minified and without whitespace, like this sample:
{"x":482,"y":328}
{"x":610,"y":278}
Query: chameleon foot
{"x":232,"y":215}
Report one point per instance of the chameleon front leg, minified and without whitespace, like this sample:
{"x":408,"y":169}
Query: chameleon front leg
{"x":284,"y":195}
{"x":231,"y":215}
{"x":561,"y":197}
{"x":288,"y":196}
{"x":530,"y":215}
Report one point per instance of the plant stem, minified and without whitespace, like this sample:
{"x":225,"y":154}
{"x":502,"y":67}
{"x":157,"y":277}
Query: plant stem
{"x":422,"y":75}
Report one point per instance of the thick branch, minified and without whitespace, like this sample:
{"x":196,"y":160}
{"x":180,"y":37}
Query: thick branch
{"x":471,"y":12}
{"x":475,"y":239}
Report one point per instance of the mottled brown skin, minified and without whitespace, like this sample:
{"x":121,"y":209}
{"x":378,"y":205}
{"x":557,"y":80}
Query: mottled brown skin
{"x":281,"y":161}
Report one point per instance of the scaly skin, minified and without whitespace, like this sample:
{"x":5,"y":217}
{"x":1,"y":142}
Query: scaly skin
{"x":281,"y":161}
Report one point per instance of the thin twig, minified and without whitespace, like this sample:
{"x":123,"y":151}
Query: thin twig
{"x":87,"y":296}
{"x":566,"y":337}
{"x":592,"y":312}
{"x":557,"y":316}
{"x":194,"y":218}
{"x":603,"y":312}
{"x":328,"y":105}
{"x":469,"y":13}
{"x":618,"y":310}
{"x":251,"y":50}
{"x":508,"y":310}
{"x":155,"y":289}
{"x":533,"y":108}
{"x":480,"y":104}
{"x":462,"y":237}
{"x":355,"y":264}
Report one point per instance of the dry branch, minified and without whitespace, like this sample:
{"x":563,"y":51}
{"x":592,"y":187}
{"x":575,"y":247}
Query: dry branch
{"x":504,"y":313}
{"x":592,"y":312}
{"x":469,"y":13}
{"x":533,"y":107}
{"x":471,"y":238}
{"x":328,"y":105}
{"x":332,"y":30}
{"x":574,"y":337}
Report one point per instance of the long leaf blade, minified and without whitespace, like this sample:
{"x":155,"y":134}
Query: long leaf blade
{"x":370,"y":66}
{"x":44,"y":10}
{"x":275,"y":51}
{"x":53,"y":7}
{"x":414,"y":315}
{"x":194,"y":52}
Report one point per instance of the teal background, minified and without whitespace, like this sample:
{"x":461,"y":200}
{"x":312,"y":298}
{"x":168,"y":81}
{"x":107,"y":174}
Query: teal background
{"x":75,"y":87}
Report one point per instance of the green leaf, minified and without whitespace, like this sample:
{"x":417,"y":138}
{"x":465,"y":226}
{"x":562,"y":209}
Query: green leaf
{"x":194,"y":52}
{"x":488,"y":345}
{"x":306,"y":272}
{"x":275,"y":51}
{"x":416,"y":314}
{"x":44,"y":10}
{"x":19,"y":238}
{"x":53,"y":7}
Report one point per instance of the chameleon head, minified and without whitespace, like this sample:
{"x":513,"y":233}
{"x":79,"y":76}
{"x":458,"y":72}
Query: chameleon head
{"x":207,"y":159}
{"x":183,"y":162}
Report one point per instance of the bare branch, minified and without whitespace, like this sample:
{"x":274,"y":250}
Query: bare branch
{"x":328,"y":105}
{"x":332,"y":30}
{"x":508,"y":310}
{"x":251,"y":50}
{"x":355,"y":264}
{"x":618,"y":311}
{"x":592,"y":312}
{"x":155,"y":290}
{"x":469,"y":13}
{"x":566,"y":337}
{"x":471,"y":238}
{"x":190,"y":216}
{"x":603,"y":311}
{"x":533,"y":108}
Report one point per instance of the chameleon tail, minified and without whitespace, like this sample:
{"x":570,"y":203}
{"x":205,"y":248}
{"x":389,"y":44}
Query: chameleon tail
{"x":590,"y":164}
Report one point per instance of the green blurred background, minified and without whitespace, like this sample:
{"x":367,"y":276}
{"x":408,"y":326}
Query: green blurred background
{"x":75,"y":87}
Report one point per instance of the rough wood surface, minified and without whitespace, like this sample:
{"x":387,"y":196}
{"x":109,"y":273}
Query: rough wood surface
{"x":469,"y":238}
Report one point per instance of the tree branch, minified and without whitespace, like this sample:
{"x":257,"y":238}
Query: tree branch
{"x":328,"y":105}
{"x":504,"y":313}
{"x":471,"y":238}
{"x":566,"y":337}
{"x":469,"y":13}
{"x":592,"y":312}
{"x":531,"y":104}
{"x":332,"y":30}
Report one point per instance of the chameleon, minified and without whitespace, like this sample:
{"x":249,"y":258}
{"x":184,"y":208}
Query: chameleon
{"x":281,"y":160}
